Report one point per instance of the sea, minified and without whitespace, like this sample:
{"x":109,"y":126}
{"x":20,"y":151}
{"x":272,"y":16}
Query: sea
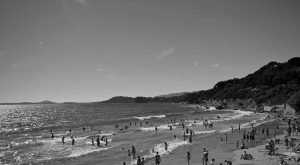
{"x":26,"y":138}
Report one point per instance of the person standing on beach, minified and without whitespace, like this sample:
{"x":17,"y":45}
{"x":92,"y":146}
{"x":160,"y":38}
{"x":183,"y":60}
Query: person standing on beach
{"x":231,"y":129}
{"x":205,"y":156}
{"x":73,"y":141}
{"x":138,"y":161}
{"x":63,"y":140}
{"x":166,"y":146}
{"x":133,"y":152}
{"x":226,"y":137}
{"x":106,"y":142}
{"x":188,"y":157}
{"x":239,"y":127}
{"x":190,"y":139}
{"x":267,"y":132}
{"x":143,"y":161}
{"x":157,"y":159}
{"x":98,"y":141}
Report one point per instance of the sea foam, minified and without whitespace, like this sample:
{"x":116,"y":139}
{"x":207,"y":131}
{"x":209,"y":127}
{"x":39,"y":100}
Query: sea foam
{"x":149,"y":117}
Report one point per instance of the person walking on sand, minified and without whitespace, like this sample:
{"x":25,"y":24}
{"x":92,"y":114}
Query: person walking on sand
{"x":188,"y":157}
{"x":63,"y":140}
{"x":157,"y":159}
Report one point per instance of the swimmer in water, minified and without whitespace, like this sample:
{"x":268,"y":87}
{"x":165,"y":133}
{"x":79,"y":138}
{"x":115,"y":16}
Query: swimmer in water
{"x":63,"y":140}
{"x":73,"y":141}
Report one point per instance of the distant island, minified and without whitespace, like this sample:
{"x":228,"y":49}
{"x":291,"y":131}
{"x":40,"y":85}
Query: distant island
{"x":274,"y":83}
{"x":42,"y":102}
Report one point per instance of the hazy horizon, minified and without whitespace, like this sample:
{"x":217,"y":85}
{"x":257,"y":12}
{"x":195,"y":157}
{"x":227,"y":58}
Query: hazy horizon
{"x":91,"y":50}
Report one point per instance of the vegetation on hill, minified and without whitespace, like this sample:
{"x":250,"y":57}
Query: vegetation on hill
{"x":274,"y":83}
{"x":294,"y":101}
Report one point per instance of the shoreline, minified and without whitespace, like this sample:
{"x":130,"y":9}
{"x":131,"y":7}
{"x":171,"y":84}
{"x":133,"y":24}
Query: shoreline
{"x":220,"y":151}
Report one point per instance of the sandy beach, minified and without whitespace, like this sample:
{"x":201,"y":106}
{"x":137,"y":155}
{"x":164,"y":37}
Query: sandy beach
{"x":222,"y":151}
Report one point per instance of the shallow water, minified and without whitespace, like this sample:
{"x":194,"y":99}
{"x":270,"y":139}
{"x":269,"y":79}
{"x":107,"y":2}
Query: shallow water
{"x":25,"y":136}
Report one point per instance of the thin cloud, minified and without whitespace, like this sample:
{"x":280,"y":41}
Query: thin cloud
{"x":196,"y":64}
{"x":216,"y":65}
{"x":165,"y":53}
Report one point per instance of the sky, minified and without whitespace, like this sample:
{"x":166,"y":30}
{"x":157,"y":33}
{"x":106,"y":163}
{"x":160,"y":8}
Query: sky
{"x":91,"y":50}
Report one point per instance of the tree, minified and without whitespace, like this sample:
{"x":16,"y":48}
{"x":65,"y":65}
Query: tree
{"x":294,"y":101}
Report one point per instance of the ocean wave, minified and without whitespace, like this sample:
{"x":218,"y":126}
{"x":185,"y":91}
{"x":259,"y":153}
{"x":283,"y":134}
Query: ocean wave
{"x":85,"y":151}
{"x":255,"y":123}
{"x":237,"y":114}
{"x":160,"y":148}
{"x":149,"y":117}
{"x":160,"y":127}
{"x":172,"y":144}
{"x":204,"y":132}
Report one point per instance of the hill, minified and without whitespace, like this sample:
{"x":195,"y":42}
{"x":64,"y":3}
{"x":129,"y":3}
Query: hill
{"x":173,"y":94}
{"x":273,"y":83}
{"x":25,"y":103}
{"x":120,"y":99}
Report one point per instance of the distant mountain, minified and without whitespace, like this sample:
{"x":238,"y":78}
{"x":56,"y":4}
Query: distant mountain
{"x":24,"y":103}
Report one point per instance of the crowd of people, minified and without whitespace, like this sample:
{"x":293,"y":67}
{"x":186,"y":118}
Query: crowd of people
{"x":248,"y":136}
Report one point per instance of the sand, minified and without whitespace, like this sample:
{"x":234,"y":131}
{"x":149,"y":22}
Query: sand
{"x":222,"y":151}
